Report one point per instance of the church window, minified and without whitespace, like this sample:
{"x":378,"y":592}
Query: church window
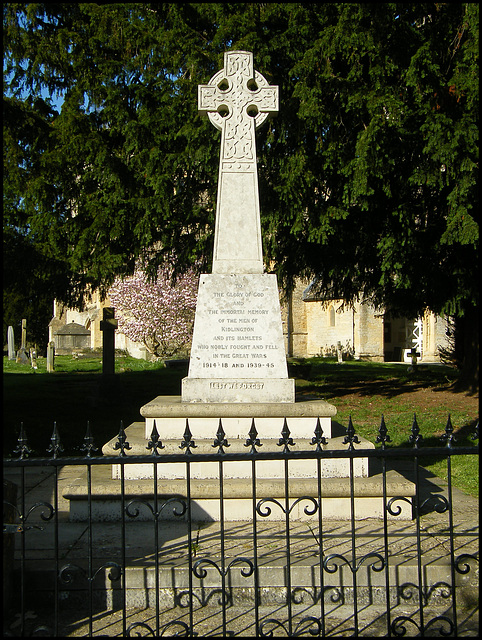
{"x":332,"y":316}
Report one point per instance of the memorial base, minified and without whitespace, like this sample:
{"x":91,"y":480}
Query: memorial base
{"x":238,"y":349}
{"x":204,"y":487}
{"x":170,"y":415}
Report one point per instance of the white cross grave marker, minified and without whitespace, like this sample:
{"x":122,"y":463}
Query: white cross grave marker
{"x":237,"y":101}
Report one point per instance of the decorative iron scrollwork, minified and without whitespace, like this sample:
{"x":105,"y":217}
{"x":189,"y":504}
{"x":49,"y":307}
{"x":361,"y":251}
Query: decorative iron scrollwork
{"x":200,"y":572}
{"x":303,"y":626}
{"x":67,"y":572}
{"x":399,"y":629}
{"x":156,"y":514}
{"x":398,"y":509}
{"x":332,"y":567}
{"x":267,"y":512}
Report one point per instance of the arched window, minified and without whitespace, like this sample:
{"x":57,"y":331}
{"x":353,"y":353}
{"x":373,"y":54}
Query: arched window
{"x":332,"y":316}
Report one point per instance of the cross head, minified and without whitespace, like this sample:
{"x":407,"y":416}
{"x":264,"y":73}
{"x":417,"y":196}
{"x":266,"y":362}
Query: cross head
{"x":414,"y":354}
{"x":237,"y":101}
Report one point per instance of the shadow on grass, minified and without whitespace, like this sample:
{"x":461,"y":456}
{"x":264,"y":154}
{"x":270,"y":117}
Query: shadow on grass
{"x":332,"y":380}
{"x":72,"y":399}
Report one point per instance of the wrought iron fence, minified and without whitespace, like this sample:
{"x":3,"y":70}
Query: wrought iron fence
{"x":298,"y":577}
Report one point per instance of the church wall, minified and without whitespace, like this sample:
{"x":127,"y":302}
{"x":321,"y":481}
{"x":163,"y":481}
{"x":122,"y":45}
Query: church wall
{"x":293,"y":318}
{"x":398,"y":334}
{"x":327,"y":324}
{"x":134,"y":349}
{"x":434,"y":336}
{"x":368,"y":333}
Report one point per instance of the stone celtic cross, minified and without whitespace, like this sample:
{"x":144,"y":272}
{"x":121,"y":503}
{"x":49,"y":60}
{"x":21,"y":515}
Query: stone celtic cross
{"x":237,"y":101}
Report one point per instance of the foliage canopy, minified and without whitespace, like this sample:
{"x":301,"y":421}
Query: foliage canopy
{"x":368,"y":176}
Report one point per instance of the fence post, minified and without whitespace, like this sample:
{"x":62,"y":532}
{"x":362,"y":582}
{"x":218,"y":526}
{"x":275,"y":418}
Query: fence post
{"x":9,"y":505}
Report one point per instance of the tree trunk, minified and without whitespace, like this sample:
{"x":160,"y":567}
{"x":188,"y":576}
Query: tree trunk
{"x":469,"y":343}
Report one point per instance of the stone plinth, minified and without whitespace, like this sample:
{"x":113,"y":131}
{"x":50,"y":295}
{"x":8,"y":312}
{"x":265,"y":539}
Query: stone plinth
{"x":170,"y":413}
{"x":265,"y":469}
{"x":238,"y":352}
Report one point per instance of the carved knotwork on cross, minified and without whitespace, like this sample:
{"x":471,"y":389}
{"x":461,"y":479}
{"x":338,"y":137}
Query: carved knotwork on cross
{"x":237,"y":101}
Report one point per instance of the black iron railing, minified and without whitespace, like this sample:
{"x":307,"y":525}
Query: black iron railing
{"x":230,"y":568}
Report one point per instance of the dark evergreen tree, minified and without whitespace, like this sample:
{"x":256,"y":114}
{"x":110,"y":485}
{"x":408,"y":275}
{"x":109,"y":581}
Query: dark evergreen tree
{"x":368,"y":176}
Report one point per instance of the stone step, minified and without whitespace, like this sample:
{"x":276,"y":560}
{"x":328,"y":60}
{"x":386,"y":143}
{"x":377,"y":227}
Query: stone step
{"x":173,"y":583}
{"x":272,"y":469}
{"x":237,"y":497}
{"x":170,"y":413}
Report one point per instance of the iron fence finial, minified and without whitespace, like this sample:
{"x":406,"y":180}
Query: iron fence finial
{"x":253,"y":440}
{"x":88,"y":445}
{"x":122,"y":443}
{"x":154,"y":441}
{"x":187,"y":441}
{"x":22,"y":449}
{"x":55,"y":447}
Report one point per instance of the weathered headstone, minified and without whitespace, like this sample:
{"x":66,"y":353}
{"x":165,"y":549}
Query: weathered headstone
{"x":51,"y":357}
{"x":11,"y":343}
{"x":22,"y":356}
{"x":108,"y":325}
{"x":238,"y":352}
{"x":33,"y":358}
{"x":339,"y":353}
{"x":24,"y":334}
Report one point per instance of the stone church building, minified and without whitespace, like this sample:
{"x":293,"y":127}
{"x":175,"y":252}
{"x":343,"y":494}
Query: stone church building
{"x":317,"y":327}
{"x":312,"y":327}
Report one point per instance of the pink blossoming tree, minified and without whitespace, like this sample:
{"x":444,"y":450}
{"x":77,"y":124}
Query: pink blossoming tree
{"x":159,"y":314}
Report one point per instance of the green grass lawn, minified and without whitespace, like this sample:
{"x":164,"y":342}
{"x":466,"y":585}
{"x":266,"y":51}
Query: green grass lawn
{"x":76,"y":393}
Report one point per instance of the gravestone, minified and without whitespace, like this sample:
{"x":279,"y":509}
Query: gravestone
{"x":33,"y":358}
{"x":22,"y":356}
{"x":108,"y":325}
{"x":24,"y":334}
{"x":414,"y":354}
{"x":51,"y":357}
{"x":238,"y":352}
{"x":71,"y":336}
{"x":11,"y":343}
